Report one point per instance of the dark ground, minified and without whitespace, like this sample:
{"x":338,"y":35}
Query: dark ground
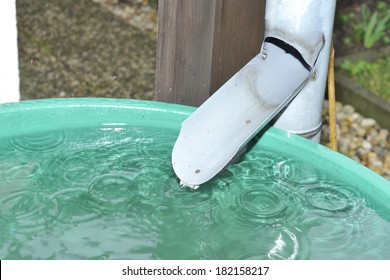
{"x":73,"y":48}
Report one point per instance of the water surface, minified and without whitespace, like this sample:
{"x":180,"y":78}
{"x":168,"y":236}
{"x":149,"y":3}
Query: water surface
{"x":109,"y":192}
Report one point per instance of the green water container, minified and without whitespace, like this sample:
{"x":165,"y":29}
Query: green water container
{"x":92,"y":179}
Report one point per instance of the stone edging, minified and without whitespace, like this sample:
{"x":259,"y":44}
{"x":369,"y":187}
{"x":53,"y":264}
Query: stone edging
{"x":350,"y":92}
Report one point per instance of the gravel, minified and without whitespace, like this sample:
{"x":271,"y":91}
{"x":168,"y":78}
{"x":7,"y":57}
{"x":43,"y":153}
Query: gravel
{"x":107,"y":48}
{"x":139,"y":13}
{"x":359,"y":138}
{"x":73,"y":48}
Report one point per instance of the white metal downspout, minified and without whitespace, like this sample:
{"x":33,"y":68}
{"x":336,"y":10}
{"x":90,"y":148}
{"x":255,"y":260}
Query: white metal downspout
{"x":9,"y":67}
{"x":295,"y":41}
{"x":307,"y":17}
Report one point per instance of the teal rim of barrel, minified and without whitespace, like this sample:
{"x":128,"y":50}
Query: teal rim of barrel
{"x":59,"y":113}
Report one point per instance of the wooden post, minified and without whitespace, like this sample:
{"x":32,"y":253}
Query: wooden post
{"x":202,"y":43}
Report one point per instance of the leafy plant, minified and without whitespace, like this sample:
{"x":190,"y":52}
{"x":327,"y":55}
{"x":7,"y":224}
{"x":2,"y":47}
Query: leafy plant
{"x":376,"y":29}
{"x":373,"y":75}
{"x":368,"y":27}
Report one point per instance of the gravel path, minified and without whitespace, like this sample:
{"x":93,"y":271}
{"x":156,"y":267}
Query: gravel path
{"x":107,"y":48}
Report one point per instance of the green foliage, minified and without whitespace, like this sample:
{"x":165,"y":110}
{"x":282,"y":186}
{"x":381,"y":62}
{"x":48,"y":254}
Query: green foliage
{"x":368,"y":28}
{"x":374,"y":76}
{"x":376,"y":29}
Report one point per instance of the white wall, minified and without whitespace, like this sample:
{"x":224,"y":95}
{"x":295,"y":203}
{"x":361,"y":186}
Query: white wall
{"x":9,"y":67}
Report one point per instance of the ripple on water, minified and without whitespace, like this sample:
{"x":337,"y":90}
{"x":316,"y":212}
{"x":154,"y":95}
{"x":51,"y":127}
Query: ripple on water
{"x":260,"y":166}
{"x":172,"y":207}
{"x":276,"y":243}
{"x":112,"y":189}
{"x":188,"y":199}
{"x":262,"y":203}
{"x":70,"y":168}
{"x":126,"y":163}
{"x":112,"y":193}
{"x":329,"y":237}
{"x":76,"y":209}
{"x":289,"y":244}
{"x":141,"y":142}
{"x":18,"y":170}
{"x":250,"y":204}
{"x":333,"y":220}
{"x":154,"y":142}
{"x":127,"y":150}
{"x":296,"y":172}
{"x":38,"y":143}
{"x":20,"y":204}
{"x":29,"y":211}
{"x":328,"y":199}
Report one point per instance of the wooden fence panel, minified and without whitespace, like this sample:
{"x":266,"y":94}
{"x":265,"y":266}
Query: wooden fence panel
{"x":202,"y":43}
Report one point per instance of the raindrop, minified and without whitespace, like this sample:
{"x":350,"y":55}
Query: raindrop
{"x":264,"y":56}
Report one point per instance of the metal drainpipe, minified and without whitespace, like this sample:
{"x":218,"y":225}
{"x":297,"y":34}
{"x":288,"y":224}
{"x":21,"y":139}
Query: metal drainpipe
{"x":9,"y":67}
{"x":306,"y":19}
{"x":297,"y":36}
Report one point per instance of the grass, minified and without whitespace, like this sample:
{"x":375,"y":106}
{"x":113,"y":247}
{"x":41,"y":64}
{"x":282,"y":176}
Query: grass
{"x":372,"y":75}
